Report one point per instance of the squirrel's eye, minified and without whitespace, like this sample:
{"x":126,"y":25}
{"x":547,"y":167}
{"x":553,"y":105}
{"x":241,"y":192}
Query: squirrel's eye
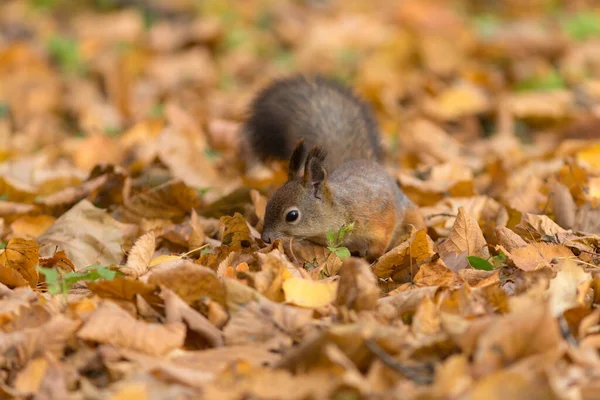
{"x":292,"y":216}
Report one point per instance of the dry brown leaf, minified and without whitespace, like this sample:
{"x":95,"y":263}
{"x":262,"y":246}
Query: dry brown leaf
{"x":112,"y":325}
{"x":563,"y":205}
{"x":568,"y":286}
{"x":178,"y":311}
{"x":436,"y":274}
{"x":22,"y":256}
{"x":59,"y":260}
{"x":466,"y":236}
{"x":189,"y":281}
{"x":357,"y":289}
{"x":30,"y":227}
{"x":538,"y":255}
{"x":266,"y":324}
{"x":508,"y":239}
{"x":535,"y":227}
{"x":402,"y":262}
{"x":172,"y":200}
{"x":121,"y":288}
{"x":18,"y":347}
{"x":30,"y":378}
{"x":138,"y":260}
{"x":524,"y":332}
{"x":260,"y":204}
{"x":87,"y":234}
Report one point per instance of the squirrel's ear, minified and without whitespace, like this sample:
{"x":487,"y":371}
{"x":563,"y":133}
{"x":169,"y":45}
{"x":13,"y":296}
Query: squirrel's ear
{"x":315,"y":173}
{"x":297,"y":161}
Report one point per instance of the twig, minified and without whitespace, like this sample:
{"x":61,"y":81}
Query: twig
{"x":440,"y":215}
{"x":421,"y":375}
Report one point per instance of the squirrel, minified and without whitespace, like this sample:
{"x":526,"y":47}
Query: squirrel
{"x":335,"y":174}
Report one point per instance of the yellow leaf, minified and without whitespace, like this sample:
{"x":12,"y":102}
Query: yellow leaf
{"x":311,"y":294}
{"x":31,"y":226}
{"x":30,"y":378}
{"x":162,"y":259}
{"x":22,"y":256}
{"x":590,"y":156}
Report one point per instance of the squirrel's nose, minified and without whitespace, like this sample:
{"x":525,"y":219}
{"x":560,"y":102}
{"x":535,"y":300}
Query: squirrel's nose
{"x":266,"y":236}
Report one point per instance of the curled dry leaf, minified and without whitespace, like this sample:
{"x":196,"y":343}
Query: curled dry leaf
{"x":402,"y":262}
{"x":112,"y":325}
{"x":138,"y":260}
{"x":534,"y":227}
{"x":357,"y":288}
{"x":563,"y":205}
{"x":21,"y":256}
{"x":87,"y":234}
{"x":178,"y":311}
{"x":59,"y":260}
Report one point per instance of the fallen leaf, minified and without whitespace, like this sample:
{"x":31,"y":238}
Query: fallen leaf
{"x":87,"y":234}
{"x":112,"y":325}
{"x":172,"y":200}
{"x":405,"y":258}
{"x":188,"y":280}
{"x":163,"y":259}
{"x":264,"y":323}
{"x":178,"y":311}
{"x":30,"y":378}
{"x":357,"y":288}
{"x":568,"y":286}
{"x":538,"y":255}
{"x":466,"y":236}
{"x":123,"y":288}
{"x":309,"y":294}
{"x":30,"y":227}
{"x":138,"y":260}
{"x":22,"y":256}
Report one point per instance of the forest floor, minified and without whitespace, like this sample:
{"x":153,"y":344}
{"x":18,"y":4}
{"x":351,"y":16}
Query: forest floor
{"x":131,"y":263}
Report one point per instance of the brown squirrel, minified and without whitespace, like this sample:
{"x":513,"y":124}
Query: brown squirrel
{"x":340,"y":180}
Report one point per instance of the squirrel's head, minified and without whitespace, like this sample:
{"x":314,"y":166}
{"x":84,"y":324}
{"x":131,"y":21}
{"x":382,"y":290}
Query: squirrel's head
{"x":300,"y":207}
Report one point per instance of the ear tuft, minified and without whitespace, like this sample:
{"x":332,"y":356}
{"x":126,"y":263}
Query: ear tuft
{"x":297,"y":160}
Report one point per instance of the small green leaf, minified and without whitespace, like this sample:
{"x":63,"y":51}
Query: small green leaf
{"x":205,"y":251}
{"x":342,"y":253}
{"x":3,"y":244}
{"x":480,"y":263}
{"x":582,"y":25}
{"x":157,"y":111}
{"x":65,"y":51}
{"x":331,"y":239}
{"x":50,"y":274}
{"x":4,"y":110}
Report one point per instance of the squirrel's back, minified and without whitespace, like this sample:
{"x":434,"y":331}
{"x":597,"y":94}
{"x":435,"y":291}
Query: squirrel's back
{"x":318,"y":110}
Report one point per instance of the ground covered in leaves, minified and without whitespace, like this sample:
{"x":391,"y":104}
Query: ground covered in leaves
{"x":132,"y":265}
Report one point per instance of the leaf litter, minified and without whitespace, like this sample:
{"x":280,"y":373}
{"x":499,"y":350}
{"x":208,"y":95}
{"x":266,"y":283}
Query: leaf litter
{"x":131,"y":264}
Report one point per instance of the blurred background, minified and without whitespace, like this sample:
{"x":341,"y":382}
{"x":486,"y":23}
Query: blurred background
{"x":89,"y":82}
